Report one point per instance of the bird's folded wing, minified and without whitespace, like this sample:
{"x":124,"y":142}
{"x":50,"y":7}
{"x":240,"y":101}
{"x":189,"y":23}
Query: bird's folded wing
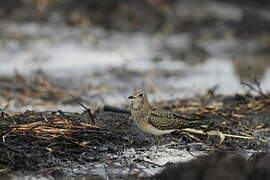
{"x":188,"y":116}
{"x":165,"y":120}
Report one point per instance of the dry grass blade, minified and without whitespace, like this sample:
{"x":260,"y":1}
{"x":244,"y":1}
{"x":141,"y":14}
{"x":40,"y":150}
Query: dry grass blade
{"x":48,"y":129}
{"x":217,"y":133}
{"x":238,"y":136}
{"x":221,"y":135}
{"x":5,"y":170}
{"x":195,"y":131}
{"x":88,"y":125}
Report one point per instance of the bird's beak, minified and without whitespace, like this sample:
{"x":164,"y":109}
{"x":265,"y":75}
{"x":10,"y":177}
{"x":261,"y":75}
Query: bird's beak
{"x":131,"y":97}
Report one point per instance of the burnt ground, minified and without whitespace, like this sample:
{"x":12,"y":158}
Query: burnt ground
{"x":143,"y":15}
{"x":220,"y":165}
{"x":43,"y":142}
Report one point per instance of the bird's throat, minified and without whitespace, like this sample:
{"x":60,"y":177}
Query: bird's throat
{"x":135,"y":105}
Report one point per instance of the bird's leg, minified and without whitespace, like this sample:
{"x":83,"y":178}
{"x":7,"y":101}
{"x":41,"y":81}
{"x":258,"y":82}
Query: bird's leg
{"x":159,"y":140}
{"x":163,"y":140}
{"x":157,"y":143}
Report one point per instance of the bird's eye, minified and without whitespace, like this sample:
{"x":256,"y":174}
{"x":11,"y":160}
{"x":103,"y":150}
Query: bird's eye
{"x":141,"y":95}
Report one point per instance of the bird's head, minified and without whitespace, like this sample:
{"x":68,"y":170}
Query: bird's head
{"x":138,"y":99}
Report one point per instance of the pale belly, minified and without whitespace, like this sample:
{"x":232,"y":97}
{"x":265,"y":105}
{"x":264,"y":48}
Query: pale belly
{"x":148,"y":128}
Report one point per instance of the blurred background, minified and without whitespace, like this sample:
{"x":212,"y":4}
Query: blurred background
{"x":55,"y":51}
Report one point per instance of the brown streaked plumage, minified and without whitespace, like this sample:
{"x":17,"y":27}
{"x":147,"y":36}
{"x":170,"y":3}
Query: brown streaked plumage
{"x":156,"y":121}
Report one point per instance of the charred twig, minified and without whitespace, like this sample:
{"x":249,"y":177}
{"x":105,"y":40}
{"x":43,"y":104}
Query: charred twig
{"x":88,"y":110}
{"x":11,"y":148}
{"x":115,"y":109}
{"x":211,"y":92}
{"x":188,"y":149}
{"x":60,"y":143}
{"x":44,"y":117}
{"x":148,"y":162}
{"x":257,"y":88}
{"x":62,"y":114}
{"x":3,"y":113}
{"x":65,"y":117}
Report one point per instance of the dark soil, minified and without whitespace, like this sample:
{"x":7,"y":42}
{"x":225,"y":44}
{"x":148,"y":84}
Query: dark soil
{"x":222,"y":166}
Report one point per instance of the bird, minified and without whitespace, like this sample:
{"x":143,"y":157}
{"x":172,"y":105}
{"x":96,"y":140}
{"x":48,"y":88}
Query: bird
{"x":153,"y":120}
